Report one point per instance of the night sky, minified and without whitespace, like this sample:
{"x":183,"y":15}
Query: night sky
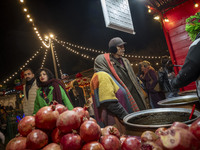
{"x":79,"y":22}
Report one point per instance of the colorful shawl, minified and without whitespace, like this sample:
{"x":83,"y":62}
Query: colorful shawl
{"x":105,"y":88}
{"x":106,"y":65}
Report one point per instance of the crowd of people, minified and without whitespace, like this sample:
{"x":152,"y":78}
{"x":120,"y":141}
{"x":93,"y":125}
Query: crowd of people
{"x":116,"y":90}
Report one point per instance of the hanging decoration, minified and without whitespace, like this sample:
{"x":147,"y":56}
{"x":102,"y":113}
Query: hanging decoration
{"x":193,"y":26}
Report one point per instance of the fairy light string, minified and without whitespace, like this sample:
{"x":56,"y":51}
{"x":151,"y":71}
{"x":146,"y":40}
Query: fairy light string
{"x":63,"y":43}
{"x":23,"y":66}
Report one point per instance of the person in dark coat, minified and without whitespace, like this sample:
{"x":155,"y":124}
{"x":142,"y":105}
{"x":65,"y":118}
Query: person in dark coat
{"x":151,"y":83}
{"x":165,"y":75}
{"x":77,"y":96}
{"x":190,"y":71}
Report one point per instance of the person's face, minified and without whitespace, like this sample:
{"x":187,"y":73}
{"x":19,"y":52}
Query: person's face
{"x":143,"y":68}
{"x":120,"y":50}
{"x":43,"y":76}
{"x":28,"y":75}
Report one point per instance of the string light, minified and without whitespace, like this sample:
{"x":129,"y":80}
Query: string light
{"x":62,"y":43}
{"x":33,"y":24}
{"x":157,"y":17}
{"x":57,"y":61}
{"x":166,"y":19}
{"x":44,"y":58}
{"x":21,"y":68}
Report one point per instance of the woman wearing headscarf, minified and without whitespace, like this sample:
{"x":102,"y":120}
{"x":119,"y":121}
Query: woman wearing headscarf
{"x":151,"y":83}
{"x":50,"y":89}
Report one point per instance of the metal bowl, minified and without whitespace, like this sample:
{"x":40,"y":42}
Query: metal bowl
{"x":159,"y":117}
{"x":180,"y":100}
{"x":189,"y":92}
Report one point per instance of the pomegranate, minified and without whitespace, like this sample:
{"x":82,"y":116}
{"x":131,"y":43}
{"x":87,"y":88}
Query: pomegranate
{"x":110,"y":130}
{"x":59,"y":107}
{"x":26,"y":125}
{"x":71,"y":141}
{"x":68,"y":121}
{"x":94,"y":145}
{"x":17,"y":143}
{"x":131,"y":143}
{"x":160,"y":131}
{"x":56,"y":135}
{"x":148,"y":136}
{"x":36,"y":139}
{"x":150,"y":146}
{"x":92,"y":119}
{"x":82,"y":112}
{"x":180,"y":124}
{"x":179,"y":138}
{"x":46,"y":118}
{"x":122,"y":139}
{"x":110,"y":142}
{"x":195,"y":128}
{"x":52,"y":146}
{"x":90,"y":131}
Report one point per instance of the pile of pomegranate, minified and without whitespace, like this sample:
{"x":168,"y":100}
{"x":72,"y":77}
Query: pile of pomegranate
{"x":56,"y":128}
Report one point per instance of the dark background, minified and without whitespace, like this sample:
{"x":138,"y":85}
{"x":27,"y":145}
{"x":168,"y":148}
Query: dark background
{"x":79,"y":22}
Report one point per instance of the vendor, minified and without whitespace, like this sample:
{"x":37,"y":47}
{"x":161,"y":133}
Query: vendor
{"x":190,"y":71}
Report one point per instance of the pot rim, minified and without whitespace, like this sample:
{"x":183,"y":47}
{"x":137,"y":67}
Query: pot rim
{"x":163,"y":102}
{"x":156,"y":110}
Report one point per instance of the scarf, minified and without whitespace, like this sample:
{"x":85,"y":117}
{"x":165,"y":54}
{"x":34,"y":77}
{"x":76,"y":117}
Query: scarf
{"x":56,"y":89}
{"x":28,"y":86}
{"x":106,"y":65}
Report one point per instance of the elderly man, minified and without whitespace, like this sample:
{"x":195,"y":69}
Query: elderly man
{"x":114,"y":85}
{"x":29,"y":90}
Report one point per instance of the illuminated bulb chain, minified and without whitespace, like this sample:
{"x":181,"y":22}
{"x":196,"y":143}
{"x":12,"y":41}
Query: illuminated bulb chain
{"x":98,"y":51}
{"x":56,"y":56}
{"x":44,"y":59}
{"x":79,"y":47}
{"x":78,"y":53}
{"x":28,"y":16}
{"x":22,"y":67}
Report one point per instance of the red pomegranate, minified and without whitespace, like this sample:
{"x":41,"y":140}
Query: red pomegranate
{"x":26,"y":125}
{"x":71,"y":141}
{"x":131,"y":143}
{"x":56,"y":135}
{"x":90,"y":131}
{"x":195,"y":128}
{"x":160,"y":131}
{"x":149,"y":136}
{"x":36,"y":139}
{"x":46,"y":118}
{"x":92,"y":119}
{"x":59,"y":107}
{"x":94,"y":145}
{"x":17,"y":143}
{"x":82,"y":112}
{"x":179,"y":138}
{"x":122,"y":139}
{"x":180,"y":124}
{"x":67,"y":121}
{"x":110,"y":130}
{"x":110,"y":142}
{"x":52,"y":146}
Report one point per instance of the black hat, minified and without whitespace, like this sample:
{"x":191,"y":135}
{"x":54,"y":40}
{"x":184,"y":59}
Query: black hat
{"x":114,"y":42}
{"x":117,"y":41}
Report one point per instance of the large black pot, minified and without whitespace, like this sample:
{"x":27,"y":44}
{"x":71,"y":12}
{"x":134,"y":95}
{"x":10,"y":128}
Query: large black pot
{"x":138,"y":122}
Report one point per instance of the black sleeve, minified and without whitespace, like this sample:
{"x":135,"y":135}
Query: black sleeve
{"x":188,"y":73}
{"x":116,"y":108}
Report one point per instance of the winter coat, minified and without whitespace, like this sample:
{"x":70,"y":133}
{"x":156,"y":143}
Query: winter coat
{"x":28,"y":104}
{"x":40,"y":102}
